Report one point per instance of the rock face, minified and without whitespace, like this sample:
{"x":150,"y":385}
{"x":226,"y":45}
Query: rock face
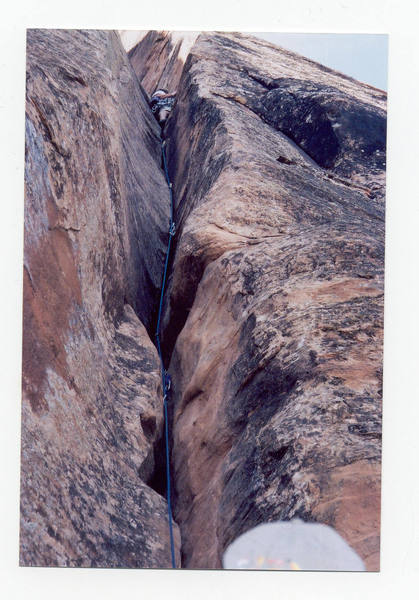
{"x":274,"y":315}
{"x":275,"y":319}
{"x":96,"y":214}
{"x":159,"y":57}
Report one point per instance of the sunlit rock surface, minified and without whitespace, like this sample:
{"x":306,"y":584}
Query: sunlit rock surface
{"x":159,"y":57}
{"x":275,"y":316}
{"x":96,"y":213}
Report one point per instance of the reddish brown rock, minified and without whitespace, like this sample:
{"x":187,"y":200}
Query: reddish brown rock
{"x":159,"y":57}
{"x":96,"y":214}
{"x":276,"y":297}
{"x":274,"y":318}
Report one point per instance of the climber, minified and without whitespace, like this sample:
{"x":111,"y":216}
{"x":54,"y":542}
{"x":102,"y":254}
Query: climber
{"x":161,"y":104}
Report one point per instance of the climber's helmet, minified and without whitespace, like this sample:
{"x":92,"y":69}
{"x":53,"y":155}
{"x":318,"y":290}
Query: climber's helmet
{"x":159,"y":92}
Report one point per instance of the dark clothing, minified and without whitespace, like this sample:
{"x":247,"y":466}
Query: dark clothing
{"x":160,"y":103}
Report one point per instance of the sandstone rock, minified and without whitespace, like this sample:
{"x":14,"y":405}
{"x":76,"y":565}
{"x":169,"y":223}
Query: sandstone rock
{"x":159,"y":57}
{"x":96,"y":214}
{"x":273,"y":324}
{"x":276,"y":297}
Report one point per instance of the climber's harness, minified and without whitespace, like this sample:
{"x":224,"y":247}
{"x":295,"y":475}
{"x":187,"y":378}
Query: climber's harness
{"x":158,"y":103}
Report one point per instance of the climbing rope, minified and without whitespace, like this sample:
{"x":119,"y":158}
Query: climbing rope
{"x":166,"y":382}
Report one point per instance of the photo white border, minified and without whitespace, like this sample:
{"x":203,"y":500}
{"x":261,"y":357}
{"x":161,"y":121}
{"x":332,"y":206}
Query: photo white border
{"x":400,"y":523}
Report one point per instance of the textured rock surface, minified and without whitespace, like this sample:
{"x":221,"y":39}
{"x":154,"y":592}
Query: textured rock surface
{"x":159,"y":57}
{"x":276,"y":308}
{"x":274,"y":323}
{"x":96,"y":213}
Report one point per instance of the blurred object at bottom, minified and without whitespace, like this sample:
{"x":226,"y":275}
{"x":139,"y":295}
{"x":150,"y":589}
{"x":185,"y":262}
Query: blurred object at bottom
{"x":292,"y":546}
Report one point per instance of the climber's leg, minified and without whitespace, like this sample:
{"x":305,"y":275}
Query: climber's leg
{"x":163,"y":114}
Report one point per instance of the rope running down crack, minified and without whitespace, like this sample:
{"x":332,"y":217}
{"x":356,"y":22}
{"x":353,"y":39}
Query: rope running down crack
{"x":166,"y":382}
